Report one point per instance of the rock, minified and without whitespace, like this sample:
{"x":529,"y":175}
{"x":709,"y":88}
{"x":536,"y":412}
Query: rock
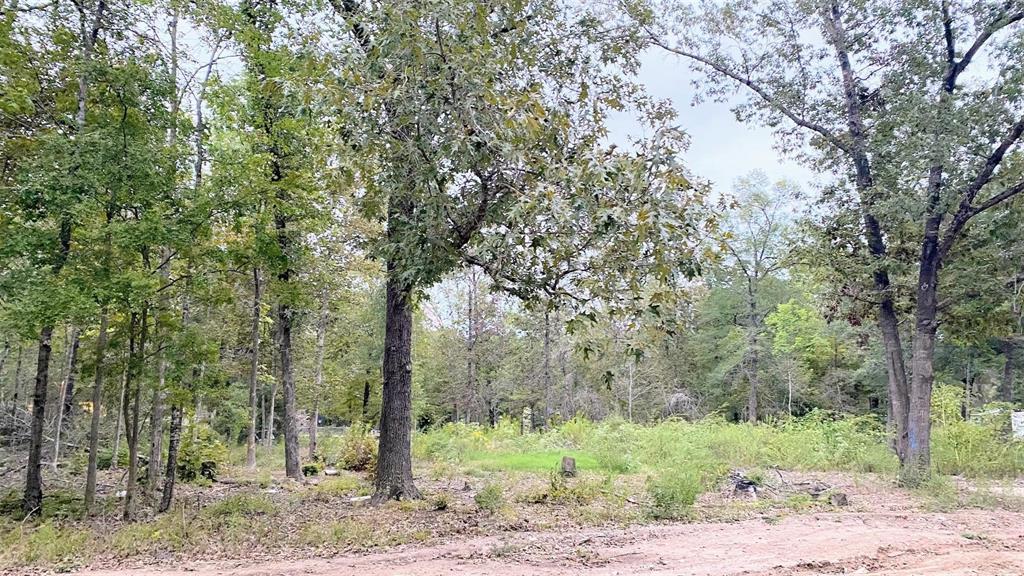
{"x":838,"y":499}
{"x":330,"y":471}
{"x":568,"y":466}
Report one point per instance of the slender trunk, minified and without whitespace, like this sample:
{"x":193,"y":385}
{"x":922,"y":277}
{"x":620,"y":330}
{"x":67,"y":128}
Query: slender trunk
{"x":67,"y":390}
{"x":366,"y":400}
{"x":114,"y":463}
{"x":3,"y":362}
{"x":172,"y":458}
{"x":546,"y":370}
{"x":17,"y":383}
{"x":630,"y":392}
{"x":135,"y":373}
{"x":254,"y":368}
{"x":1006,"y":385}
{"x":68,"y":397}
{"x":394,"y":465}
{"x":318,"y":382}
{"x":752,"y":360}
{"x":291,"y":431}
{"x":268,"y":421}
{"x":94,"y":425}
{"x":34,"y":481}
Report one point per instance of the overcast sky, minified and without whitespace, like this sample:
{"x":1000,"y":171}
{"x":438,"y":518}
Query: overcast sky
{"x":721,"y":149}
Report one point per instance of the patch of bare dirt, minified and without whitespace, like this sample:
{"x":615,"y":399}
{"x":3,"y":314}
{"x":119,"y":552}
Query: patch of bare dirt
{"x":977,"y":543}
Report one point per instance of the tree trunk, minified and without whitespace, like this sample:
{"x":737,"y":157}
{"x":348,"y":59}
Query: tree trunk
{"x":291,"y":429}
{"x":68,"y":397}
{"x":33,"y":499}
{"x":156,"y":428}
{"x":394,"y":464}
{"x":17,"y":383}
{"x":546,"y":369}
{"x":67,"y":389}
{"x":254,"y":368}
{"x":137,"y":353}
{"x":94,"y":425}
{"x":172,"y":458}
{"x":321,"y":339}
{"x":917,"y":462}
{"x":1006,"y":385}
{"x":118,"y":420}
{"x":366,"y":401}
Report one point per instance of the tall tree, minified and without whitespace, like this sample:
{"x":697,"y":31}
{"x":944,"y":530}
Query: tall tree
{"x":882,"y":91}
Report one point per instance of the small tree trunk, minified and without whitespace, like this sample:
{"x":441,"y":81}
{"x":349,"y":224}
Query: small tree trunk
{"x":321,"y":339}
{"x":17,"y":383}
{"x":394,"y":464}
{"x":172,"y":458}
{"x":134,"y":372}
{"x":33,"y":499}
{"x":291,"y":430}
{"x":1006,"y":385}
{"x":254,"y":368}
{"x":94,"y":425}
{"x":67,"y":389}
{"x":68,"y":398}
{"x":117,"y":421}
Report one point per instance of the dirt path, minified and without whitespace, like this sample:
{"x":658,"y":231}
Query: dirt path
{"x":976,"y":543}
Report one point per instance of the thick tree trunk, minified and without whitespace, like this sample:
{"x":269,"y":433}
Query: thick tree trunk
{"x":33,"y":480}
{"x":172,"y":458}
{"x":94,"y":425}
{"x":394,"y":464}
{"x":916,"y":464}
{"x":291,"y":429}
{"x":254,"y":368}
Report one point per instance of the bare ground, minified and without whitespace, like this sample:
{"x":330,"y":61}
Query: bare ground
{"x":971,"y":542}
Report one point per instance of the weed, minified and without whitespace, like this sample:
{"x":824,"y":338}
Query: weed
{"x":490,"y":498}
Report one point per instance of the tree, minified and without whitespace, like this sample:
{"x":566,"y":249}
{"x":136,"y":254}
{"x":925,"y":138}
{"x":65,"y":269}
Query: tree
{"x":883,"y":92}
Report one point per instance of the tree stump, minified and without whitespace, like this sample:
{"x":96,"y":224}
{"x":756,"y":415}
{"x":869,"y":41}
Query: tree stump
{"x":838,"y":499}
{"x":568,"y":466}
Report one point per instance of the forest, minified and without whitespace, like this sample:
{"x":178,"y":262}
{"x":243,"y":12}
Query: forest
{"x":343,"y":279}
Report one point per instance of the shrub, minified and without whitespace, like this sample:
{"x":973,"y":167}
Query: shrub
{"x":672,"y":493}
{"x":490,"y":498}
{"x":202,"y":457}
{"x":355,"y":449}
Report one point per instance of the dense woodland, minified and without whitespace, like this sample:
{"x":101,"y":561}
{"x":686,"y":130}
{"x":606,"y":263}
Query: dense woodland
{"x":252,"y":219}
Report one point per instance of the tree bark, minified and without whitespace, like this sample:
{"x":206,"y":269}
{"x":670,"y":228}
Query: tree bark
{"x":67,"y":390}
{"x":321,"y":339}
{"x":394,"y":465}
{"x":17,"y":382}
{"x":254,"y":368}
{"x":172,"y":458}
{"x":94,"y":426}
{"x":33,"y":499}
{"x":1006,"y":384}
{"x":917,"y":461}
{"x":119,"y":420}
{"x":291,"y":431}
{"x":137,"y":353}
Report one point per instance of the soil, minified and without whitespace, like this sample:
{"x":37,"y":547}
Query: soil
{"x":970,"y":542}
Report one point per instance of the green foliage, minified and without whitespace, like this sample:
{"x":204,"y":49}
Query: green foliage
{"x":674,"y":492}
{"x":203,"y":457}
{"x":980,"y":448}
{"x":48,"y":544}
{"x":490,"y":498}
{"x":355,"y":449}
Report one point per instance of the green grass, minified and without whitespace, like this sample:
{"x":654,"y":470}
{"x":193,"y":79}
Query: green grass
{"x":528,"y":461}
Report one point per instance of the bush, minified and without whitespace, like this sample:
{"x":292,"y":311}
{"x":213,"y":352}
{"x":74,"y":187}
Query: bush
{"x":672,"y":493}
{"x":490,"y":498}
{"x":355,"y":449}
{"x":202,"y":457}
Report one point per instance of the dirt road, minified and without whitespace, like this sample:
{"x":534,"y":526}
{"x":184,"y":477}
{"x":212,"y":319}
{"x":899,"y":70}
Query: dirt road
{"x":972,"y":542}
